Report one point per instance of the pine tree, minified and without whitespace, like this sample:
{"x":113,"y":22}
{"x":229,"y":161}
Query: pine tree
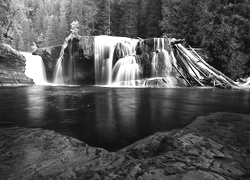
{"x":154,"y":18}
{"x":129,"y":24}
{"x":63,"y":26}
{"x":104,"y":17}
{"x":39,"y":17}
{"x":4,"y":7}
{"x":51,"y":33}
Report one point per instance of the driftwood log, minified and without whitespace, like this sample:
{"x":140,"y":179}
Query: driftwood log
{"x":201,"y":68}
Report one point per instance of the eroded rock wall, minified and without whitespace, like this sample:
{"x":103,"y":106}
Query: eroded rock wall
{"x":50,"y":56}
{"x":12,"y":67}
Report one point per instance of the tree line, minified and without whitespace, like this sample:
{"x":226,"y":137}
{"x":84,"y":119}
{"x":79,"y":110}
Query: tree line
{"x":221,"y":27}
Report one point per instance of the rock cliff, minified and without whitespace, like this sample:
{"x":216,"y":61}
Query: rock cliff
{"x":12,"y":67}
{"x":216,"y":146}
{"x":50,"y":56}
{"x":79,"y":50}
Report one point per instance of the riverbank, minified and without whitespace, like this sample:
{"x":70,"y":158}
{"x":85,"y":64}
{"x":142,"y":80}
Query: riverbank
{"x":214,"y":146}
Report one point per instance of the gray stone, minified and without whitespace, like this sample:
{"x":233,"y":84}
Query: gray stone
{"x":12,"y":67}
{"x":211,"y":147}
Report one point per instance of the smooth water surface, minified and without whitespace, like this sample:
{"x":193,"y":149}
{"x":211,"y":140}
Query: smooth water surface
{"x":113,"y":118}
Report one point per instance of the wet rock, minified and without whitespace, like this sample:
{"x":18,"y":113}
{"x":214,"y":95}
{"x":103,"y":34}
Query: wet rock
{"x":122,"y":49}
{"x":50,"y":56}
{"x":37,"y":153}
{"x":12,"y":67}
{"x":79,"y":52}
{"x":212,"y":147}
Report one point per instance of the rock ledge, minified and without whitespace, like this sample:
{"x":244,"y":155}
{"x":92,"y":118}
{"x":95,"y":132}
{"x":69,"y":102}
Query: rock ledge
{"x":216,"y":146}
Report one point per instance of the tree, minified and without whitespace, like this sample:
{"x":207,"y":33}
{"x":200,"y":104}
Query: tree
{"x":39,"y":18}
{"x":4,"y":7}
{"x":129,"y":25}
{"x":221,"y":27}
{"x":103,"y":17}
{"x":63,"y":26}
{"x":153,"y":19}
{"x":51,"y":38}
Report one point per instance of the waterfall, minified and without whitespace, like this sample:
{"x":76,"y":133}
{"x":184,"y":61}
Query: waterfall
{"x":159,"y":43}
{"x":65,"y":70}
{"x":35,"y":69}
{"x":162,"y":61}
{"x":126,"y":70}
{"x":58,"y":77}
{"x":104,"y":47}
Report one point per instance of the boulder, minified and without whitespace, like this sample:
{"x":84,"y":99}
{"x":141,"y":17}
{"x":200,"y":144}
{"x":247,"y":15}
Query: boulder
{"x":12,"y":67}
{"x":122,"y":49}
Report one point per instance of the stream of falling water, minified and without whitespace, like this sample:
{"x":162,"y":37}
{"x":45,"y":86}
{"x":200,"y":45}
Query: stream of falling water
{"x":58,"y":75}
{"x":125,"y":70}
{"x":35,"y":68}
{"x":104,"y":52}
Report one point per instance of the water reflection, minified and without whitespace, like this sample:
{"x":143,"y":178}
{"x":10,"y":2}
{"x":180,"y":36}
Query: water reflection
{"x":113,"y":117}
{"x":36,"y":106}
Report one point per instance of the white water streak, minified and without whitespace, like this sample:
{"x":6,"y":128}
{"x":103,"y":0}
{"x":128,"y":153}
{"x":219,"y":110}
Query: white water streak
{"x":35,"y":69}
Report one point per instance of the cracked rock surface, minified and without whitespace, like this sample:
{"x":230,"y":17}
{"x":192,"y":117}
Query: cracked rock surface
{"x":216,"y":146}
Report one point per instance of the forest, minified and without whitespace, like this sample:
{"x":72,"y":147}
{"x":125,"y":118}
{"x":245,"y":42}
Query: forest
{"x":220,"y":28}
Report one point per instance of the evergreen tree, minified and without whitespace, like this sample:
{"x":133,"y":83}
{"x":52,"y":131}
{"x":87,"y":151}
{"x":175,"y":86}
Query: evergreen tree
{"x":63,"y":26}
{"x":153,"y":19}
{"x":104,"y":17}
{"x":4,"y":11}
{"x":116,"y":15}
{"x":222,"y":27}
{"x":51,"y":38}
{"x":28,"y":35}
{"x":39,"y":17}
{"x":129,"y":24}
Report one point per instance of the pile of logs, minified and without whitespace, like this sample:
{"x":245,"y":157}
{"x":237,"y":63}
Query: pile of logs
{"x":196,"y":71}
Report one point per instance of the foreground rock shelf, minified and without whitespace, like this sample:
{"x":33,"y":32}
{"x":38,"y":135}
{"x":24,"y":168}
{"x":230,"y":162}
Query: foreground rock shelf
{"x":216,"y":146}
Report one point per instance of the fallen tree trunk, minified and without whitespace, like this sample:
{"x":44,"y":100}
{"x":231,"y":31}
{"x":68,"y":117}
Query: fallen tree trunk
{"x":212,"y":68}
{"x":185,"y":65}
{"x":209,"y":71}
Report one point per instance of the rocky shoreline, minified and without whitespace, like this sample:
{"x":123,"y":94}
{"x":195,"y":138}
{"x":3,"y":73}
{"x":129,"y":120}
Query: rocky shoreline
{"x":216,"y":146}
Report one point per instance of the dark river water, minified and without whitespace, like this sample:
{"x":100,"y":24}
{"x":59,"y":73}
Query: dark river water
{"x":113,"y":118}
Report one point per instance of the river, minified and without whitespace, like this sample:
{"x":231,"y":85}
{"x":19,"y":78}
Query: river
{"x":113,"y":118}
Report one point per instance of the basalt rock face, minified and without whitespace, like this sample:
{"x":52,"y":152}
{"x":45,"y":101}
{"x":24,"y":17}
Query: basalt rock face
{"x":153,"y":56}
{"x":216,"y":146}
{"x":12,"y":67}
{"x":50,"y":56}
{"x":79,"y":54}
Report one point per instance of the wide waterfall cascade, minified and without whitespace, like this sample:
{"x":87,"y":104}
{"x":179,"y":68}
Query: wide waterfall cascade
{"x":126,"y":70}
{"x":155,"y":62}
{"x":104,"y":47}
{"x":35,"y":68}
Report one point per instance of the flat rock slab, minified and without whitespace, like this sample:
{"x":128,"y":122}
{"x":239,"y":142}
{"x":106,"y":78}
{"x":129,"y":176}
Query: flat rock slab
{"x":216,"y":146}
